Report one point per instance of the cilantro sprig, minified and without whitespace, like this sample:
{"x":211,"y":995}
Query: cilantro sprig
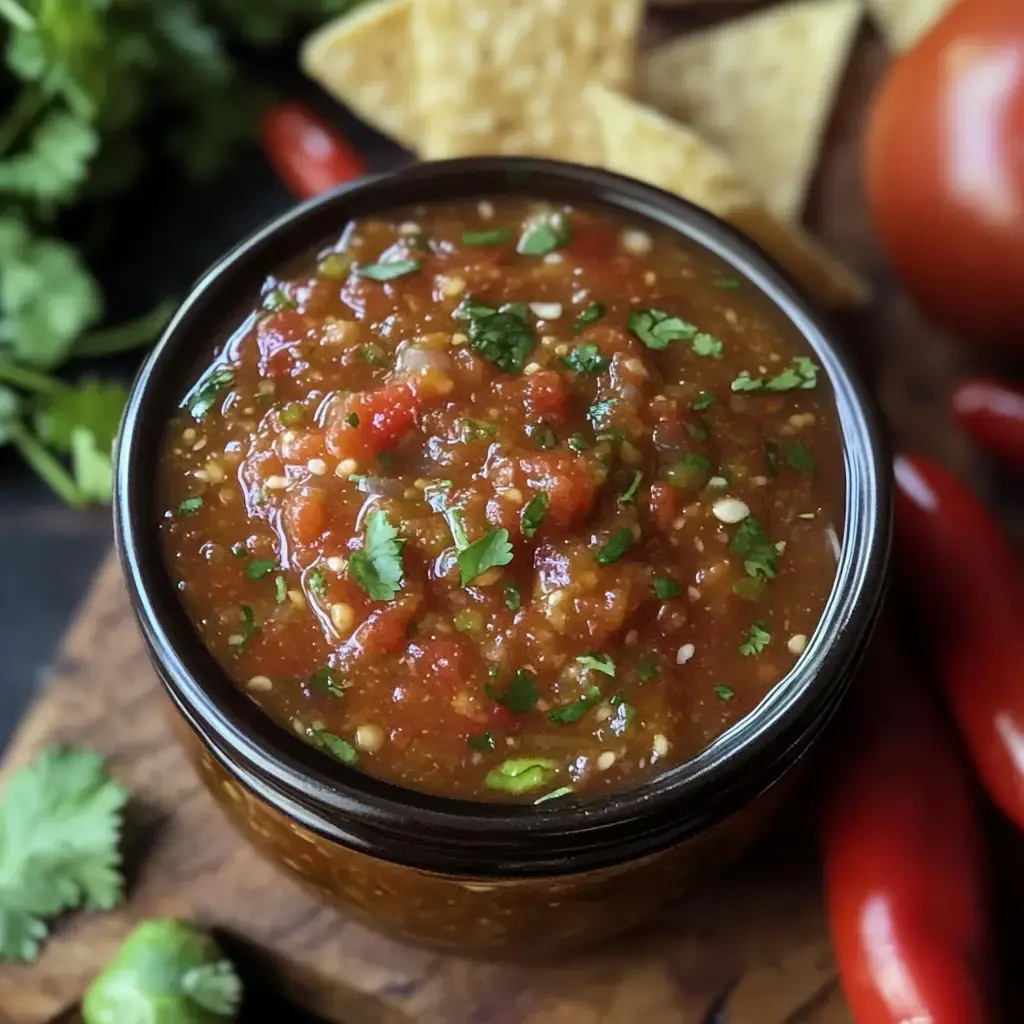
{"x":60,"y":827}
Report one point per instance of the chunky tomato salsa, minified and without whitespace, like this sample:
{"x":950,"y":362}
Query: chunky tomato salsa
{"x":507,"y":500}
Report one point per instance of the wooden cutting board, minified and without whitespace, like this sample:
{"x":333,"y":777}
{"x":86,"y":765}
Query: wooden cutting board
{"x":758,"y":932}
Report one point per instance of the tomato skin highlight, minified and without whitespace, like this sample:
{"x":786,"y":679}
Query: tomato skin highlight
{"x":963,"y":575}
{"x":992,"y":413}
{"x":906,"y":871}
{"x":308,"y":154}
{"x":944,"y":169}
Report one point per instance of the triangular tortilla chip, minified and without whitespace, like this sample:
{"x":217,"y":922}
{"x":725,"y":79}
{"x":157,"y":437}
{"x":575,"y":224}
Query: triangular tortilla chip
{"x":495,"y":76}
{"x":364,"y":59}
{"x":761,"y":88}
{"x":644,"y":144}
{"x":903,"y":22}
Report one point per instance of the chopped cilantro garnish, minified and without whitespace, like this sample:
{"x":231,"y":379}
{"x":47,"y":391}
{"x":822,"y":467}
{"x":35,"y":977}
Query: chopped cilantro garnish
{"x":481,"y":742}
{"x":534,"y":512}
{"x":519,"y":696}
{"x":707,"y":345}
{"x":585,"y":359}
{"x":800,"y":458}
{"x":276,"y":300}
{"x":771,"y":458}
{"x":250,"y":627}
{"x":502,"y":336}
{"x":615,"y":547}
{"x":374,"y":355}
{"x":647,"y":667}
{"x":629,"y":495}
{"x":590,"y":315}
{"x":599,"y":412}
{"x":474,"y":430}
{"x":658,"y":329}
{"x":492,"y":550}
{"x":206,"y":394}
{"x":542,"y":436}
{"x":257,"y":568}
{"x":280,"y":589}
{"x":665,"y":587}
{"x":352,"y":419}
{"x":575,"y":710}
{"x":326,"y":680}
{"x":190,"y":506}
{"x":521,"y":774}
{"x":598,"y":663}
{"x":317,"y":582}
{"x":388,"y":271}
{"x":758,"y":638}
{"x":727,"y":284}
{"x":724,"y":693}
{"x":801,"y":373}
{"x":759,"y":554}
{"x":377,"y":566}
{"x":703,"y":401}
{"x":488,"y":236}
{"x":513,"y":599}
{"x":578,"y":443}
{"x":544,"y":234}
{"x":334,"y":745}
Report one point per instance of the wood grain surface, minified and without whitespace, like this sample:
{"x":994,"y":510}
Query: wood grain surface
{"x":758,"y":934}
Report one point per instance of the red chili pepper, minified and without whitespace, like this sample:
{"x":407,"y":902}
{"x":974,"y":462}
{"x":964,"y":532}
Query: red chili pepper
{"x":904,"y":857}
{"x":309,"y":155}
{"x":993,"y":414}
{"x":963,"y":575}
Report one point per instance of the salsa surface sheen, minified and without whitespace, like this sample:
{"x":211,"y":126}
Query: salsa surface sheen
{"x":503,"y":500}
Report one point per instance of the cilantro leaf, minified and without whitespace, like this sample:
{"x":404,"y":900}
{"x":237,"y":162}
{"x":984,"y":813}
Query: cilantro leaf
{"x":575,"y":710}
{"x":544,"y":234}
{"x":60,"y":825}
{"x":615,"y":547}
{"x":758,"y":638}
{"x":585,"y":359}
{"x":56,"y":162}
{"x":598,"y":663}
{"x":800,"y":458}
{"x":388,"y":271}
{"x":521,"y":774}
{"x":257,"y":568}
{"x":377,"y":566}
{"x":490,"y":551}
{"x":594,"y":312}
{"x":519,"y":696}
{"x":657,"y":329}
{"x":759,"y":554}
{"x":533,"y":513}
{"x":338,"y":748}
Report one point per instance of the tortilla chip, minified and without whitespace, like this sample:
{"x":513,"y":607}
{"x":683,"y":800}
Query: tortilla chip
{"x":644,"y":144}
{"x":760,"y":88}
{"x":506,"y":76}
{"x":903,"y":22}
{"x":363,"y":59}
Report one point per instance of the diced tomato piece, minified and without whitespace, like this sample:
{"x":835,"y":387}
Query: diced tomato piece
{"x":567,"y":482}
{"x":305,"y":516}
{"x":366,"y":423}
{"x":663,"y":504}
{"x":546,"y":395}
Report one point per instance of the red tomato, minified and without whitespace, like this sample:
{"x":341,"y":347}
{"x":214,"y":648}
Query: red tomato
{"x":945,"y":170}
{"x":905,"y":865}
{"x":961,"y":571}
{"x":993,"y":414}
{"x":307,"y":154}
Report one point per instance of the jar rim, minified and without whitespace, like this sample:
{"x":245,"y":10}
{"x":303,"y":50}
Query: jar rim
{"x":456,"y":835}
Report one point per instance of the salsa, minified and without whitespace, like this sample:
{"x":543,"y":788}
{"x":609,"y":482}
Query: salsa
{"x":506,"y":500}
